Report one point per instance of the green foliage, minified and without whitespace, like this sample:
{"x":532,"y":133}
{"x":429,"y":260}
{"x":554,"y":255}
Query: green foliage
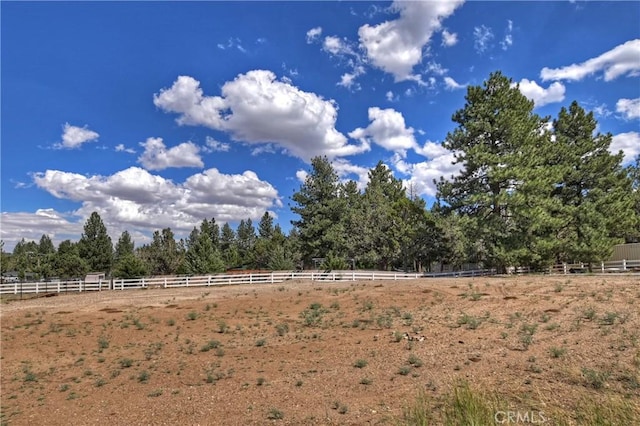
{"x":594,"y":189}
{"x":95,"y":245}
{"x":321,"y":210}
{"x":67,"y":262}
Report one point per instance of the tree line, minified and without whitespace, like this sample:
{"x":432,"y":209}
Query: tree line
{"x":532,"y":191}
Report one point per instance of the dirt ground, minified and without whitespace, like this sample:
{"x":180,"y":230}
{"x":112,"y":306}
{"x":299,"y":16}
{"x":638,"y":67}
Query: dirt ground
{"x":318,"y":353}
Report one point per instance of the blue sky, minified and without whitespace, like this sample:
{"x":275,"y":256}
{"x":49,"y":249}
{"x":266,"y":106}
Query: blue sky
{"x":160,"y":114}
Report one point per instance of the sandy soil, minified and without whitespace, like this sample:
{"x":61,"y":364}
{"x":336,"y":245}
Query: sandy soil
{"x":317,"y":353}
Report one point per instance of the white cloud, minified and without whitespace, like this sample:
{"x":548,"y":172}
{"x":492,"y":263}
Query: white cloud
{"x":629,"y":108}
{"x":422,"y":174}
{"x":156,"y":156}
{"x":122,"y":148}
{"x":301,"y":175}
{"x":347,"y":171}
{"x":396,"y":46}
{"x":256,"y":108}
{"x":31,"y":226}
{"x":263,"y":149}
{"x":387,"y":129}
{"x":141,"y":202}
{"x":213,"y":145}
{"x":334,"y":45}
{"x":449,"y":39}
{"x":390,"y":96}
{"x":348,"y":79}
{"x":313,"y":34}
{"x":619,"y":61}
{"x":482,"y":37}
{"x":74,"y":136}
{"x":451,"y":84}
{"x":507,"y":41}
{"x":602,"y":110}
{"x":436,"y":68}
{"x":539,"y":95}
{"x":629,"y":143}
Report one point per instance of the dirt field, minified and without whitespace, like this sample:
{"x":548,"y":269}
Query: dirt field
{"x":319,"y":353}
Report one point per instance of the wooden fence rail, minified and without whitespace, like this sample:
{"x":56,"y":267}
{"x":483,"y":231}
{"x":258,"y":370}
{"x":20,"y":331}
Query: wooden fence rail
{"x":282,"y":276}
{"x":222,"y":279}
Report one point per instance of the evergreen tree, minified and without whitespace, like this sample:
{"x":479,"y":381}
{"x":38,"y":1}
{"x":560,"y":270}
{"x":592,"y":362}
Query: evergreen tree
{"x":46,"y":253}
{"x":201,"y":256}
{"x":633,"y":170}
{"x":265,"y":227}
{"x":164,"y":256}
{"x":382,"y":230}
{"x":68,"y":263}
{"x":228,"y":247}
{"x":95,"y":245}
{"x":503,"y":187}
{"x":594,"y":189}
{"x":320,"y":227}
{"x":25,"y":255}
{"x":126,"y":263}
{"x":246,"y":240}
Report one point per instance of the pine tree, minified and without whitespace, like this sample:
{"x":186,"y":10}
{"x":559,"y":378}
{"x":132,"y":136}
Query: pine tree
{"x":46,"y":254}
{"x":320,"y":227}
{"x":126,"y":263}
{"x":68,"y":263}
{"x":594,"y":189}
{"x":503,"y":185}
{"x":164,"y":256}
{"x":95,"y":245}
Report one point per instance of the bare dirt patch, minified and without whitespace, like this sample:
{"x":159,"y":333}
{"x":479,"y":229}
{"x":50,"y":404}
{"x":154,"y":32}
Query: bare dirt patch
{"x":319,"y":353}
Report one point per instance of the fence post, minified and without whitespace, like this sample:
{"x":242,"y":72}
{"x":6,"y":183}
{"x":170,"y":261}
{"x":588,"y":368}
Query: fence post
{"x":373,"y":276}
{"x":271,"y":277}
{"x":311,"y":275}
{"x":564,"y":267}
{"x":624,"y":264}
{"x":250,"y":278}
{"x":36,"y":287}
{"x":602,"y":267}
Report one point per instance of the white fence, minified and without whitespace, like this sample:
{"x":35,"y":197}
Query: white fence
{"x":222,"y":279}
{"x":614,"y":266}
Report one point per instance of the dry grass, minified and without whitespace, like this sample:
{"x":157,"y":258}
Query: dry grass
{"x":328,"y":353}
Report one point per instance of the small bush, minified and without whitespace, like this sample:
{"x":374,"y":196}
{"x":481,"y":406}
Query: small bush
{"x":261,"y":342}
{"x":275,"y":414}
{"x":361,"y":363}
{"x":126,"y":362}
{"x":143,"y":377}
{"x":192,"y":316}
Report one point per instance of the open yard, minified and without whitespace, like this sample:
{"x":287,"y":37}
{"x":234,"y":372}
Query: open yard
{"x":547,"y":349}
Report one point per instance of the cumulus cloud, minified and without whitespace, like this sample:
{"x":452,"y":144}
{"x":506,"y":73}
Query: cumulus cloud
{"x":396,"y":46}
{"x":74,"y":136}
{"x":482,"y":37}
{"x":539,"y":95}
{"x":313,"y":34}
{"x":256,"y":108}
{"x":449,"y":39}
{"x":31,"y":226}
{"x":348,"y":171}
{"x":629,"y":108}
{"x":628,"y":143}
{"x":451,"y":84}
{"x":136,"y":200}
{"x":619,"y":61}
{"x":421,"y":175}
{"x":156,"y":156}
{"x":388,"y":130}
